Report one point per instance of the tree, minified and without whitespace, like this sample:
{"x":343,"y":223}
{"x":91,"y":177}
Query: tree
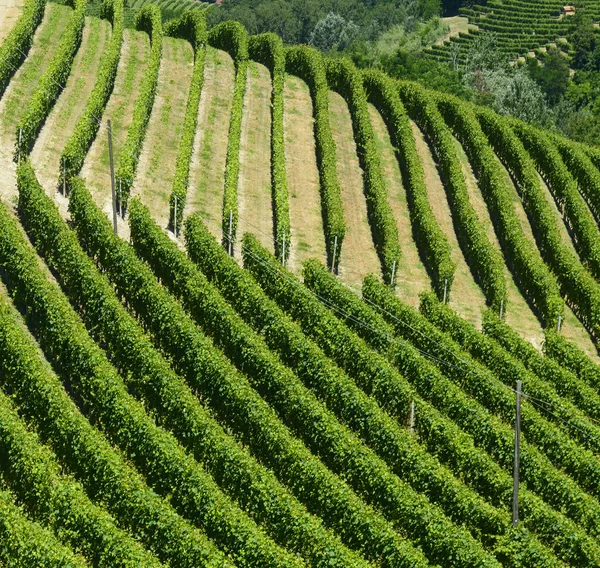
{"x":552,"y":75}
{"x":333,"y":32}
{"x":583,"y":40}
{"x":429,"y":8}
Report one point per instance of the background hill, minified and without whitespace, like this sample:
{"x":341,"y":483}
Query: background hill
{"x":301,"y":347}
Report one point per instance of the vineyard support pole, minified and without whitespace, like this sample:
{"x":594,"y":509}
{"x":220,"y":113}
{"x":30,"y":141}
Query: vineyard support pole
{"x":393,"y":273}
{"x":515,"y":515}
{"x":175,"y":217}
{"x":283,"y":251}
{"x":112,"y":176}
{"x":20,"y":137}
{"x":64,"y":176}
{"x":559,"y":324}
{"x":445,"y":290}
{"x":412,"y":417}
{"x":334,"y":253}
{"x":501,"y":308}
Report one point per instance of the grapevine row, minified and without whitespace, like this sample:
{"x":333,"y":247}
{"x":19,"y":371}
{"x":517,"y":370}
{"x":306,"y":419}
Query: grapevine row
{"x":344,"y":78}
{"x":149,"y":21}
{"x":431,"y":242}
{"x":52,"y":82}
{"x":268,"y":50}
{"x":192,"y":27}
{"x":308,"y":64}
{"x":87,"y":126}
{"x":232,"y":37}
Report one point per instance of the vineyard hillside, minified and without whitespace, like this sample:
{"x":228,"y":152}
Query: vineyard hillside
{"x":260,"y":308}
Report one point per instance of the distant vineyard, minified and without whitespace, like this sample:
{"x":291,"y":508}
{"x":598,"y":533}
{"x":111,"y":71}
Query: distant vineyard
{"x":289,"y":330}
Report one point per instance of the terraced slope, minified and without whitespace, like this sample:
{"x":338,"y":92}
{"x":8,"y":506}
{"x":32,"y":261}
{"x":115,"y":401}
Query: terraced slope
{"x":165,"y":402}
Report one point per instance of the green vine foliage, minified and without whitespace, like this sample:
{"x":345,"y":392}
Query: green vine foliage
{"x":570,"y":357}
{"x":491,"y":434}
{"x":583,"y":170}
{"x":565,"y":382}
{"x":459,"y":398}
{"x":231,"y":396}
{"x":232,"y":37}
{"x":174,"y":404}
{"x":364,"y":470}
{"x":18,"y":42}
{"x":378,"y":377}
{"x":308,"y":64}
{"x":432,"y":244}
{"x":268,"y":50}
{"x":344,"y":78}
{"x":51,"y":83}
{"x":564,"y":445}
{"x":58,"y":501}
{"x":26,"y":543}
{"x":167,"y":467}
{"x":192,"y":27}
{"x":485,"y":261}
{"x":561,"y":183}
{"x":479,"y":138}
{"x":148,"y":20}
{"x":87,"y":126}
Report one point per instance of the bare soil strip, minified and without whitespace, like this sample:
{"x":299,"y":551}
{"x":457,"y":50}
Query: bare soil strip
{"x":358,"y":256}
{"x":517,"y":313}
{"x":156,"y":168}
{"x":255,"y":204}
{"x":207,"y":169}
{"x":132,"y":65}
{"x":411,"y":276}
{"x":21,"y":88}
{"x":465,"y":297}
{"x":306,"y":218}
{"x":71,"y":103}
{"x":9,"y":14}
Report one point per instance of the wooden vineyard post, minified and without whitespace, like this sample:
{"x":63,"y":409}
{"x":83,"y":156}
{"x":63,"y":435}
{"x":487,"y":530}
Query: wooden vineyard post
{"x":515,"y":515}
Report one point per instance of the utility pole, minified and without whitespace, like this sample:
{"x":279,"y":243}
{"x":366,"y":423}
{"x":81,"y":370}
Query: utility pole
{"x":112,"y":177}
{"x":515,"y":515}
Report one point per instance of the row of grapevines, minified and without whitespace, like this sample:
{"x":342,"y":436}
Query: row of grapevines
{"x":483,"y":258}
{"x":87,"y":126}
{"x":232,"y":37}
{"x":497,"y":438}
{"x":147,"y":20}
{"x":156,"y":454}
{"x":26,"y":543}
{"x":307,"y":63}
{"x":431,"y":242}
{"x":488,"y":431}
{"x":563,"y":186}
{"x":532,"y":276}
{"x":175,"y":406}
{"x":572,"y":358}
{"x":192,"y":27}
{"x":582,"y":465}
{"x":52,"y":81}
{"x":297,"y":406}
{"x":343,"y":77}
{"x":17,"y":43}
{"x":58,"y":501}
{"x":583,"y":170}
{"x":103,"y":472}
{"x":379,"y":379}
{"x":232,"y":398}
{"x":566,"y":383}
{"x":268,"y":50}
{"x":577,"y":284}
{"x":351,"y":405}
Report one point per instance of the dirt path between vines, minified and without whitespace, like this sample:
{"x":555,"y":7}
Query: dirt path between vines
{"x":411,"y":276}
{"x":306,"y":218}
{"x":255,"y":209}
{"x":21,"y":88}
{"x":9,"y":14}
{"x":156,"y":168}
{"x":358,"y":257}
{"x":132,"y":65}
{"x":70,"y":105}
{"x":465,"y":297}
{"x":207,"y":168}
